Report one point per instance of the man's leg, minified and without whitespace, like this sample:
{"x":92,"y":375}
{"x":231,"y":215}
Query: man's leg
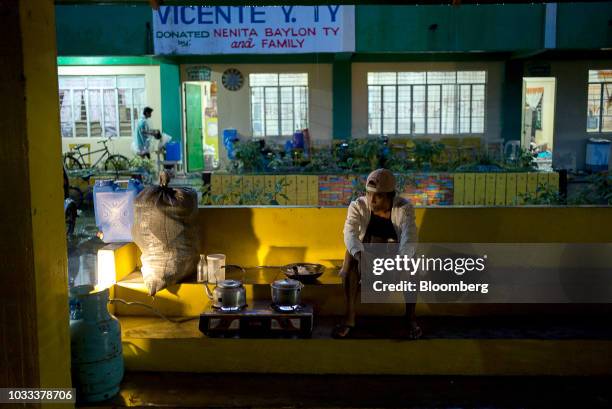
{"x":410,"y":298}
{"x":411,"y":321}
{"x":350,"y":283}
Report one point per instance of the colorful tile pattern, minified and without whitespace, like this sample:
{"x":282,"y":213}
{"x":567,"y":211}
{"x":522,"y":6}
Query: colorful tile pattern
{"x":421,"y":189}
{"x":335,"y":190}
{"x":430,"y":189}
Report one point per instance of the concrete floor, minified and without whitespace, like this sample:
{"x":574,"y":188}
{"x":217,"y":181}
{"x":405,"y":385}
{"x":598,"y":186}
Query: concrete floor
{"x":176,"y":390}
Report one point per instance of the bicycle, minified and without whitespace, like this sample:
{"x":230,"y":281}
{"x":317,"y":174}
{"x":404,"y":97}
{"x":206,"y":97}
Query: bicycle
{"x":74,"y":159}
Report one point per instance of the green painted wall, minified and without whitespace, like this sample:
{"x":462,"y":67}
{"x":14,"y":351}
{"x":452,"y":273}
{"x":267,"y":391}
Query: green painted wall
{"x":255,"y":59}
{"x":341,"y":97}
{"x":584,"y":25}
{"x":103,"y":30}
{"x":512,"y":97}
{"x":468,"y":27}
{"x":125,"y":29}
{"x":171,"y":100}
{"x":122,"y":30}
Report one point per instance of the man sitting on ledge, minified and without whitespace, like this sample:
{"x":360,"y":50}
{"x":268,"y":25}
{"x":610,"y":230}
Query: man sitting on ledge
{"x":378,"y":217}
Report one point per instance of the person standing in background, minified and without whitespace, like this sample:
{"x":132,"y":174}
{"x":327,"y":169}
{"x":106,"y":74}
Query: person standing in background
{"x":142,"y":134}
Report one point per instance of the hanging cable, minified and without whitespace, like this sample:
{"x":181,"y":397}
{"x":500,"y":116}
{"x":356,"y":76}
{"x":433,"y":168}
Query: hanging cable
{"x":176,"y":321}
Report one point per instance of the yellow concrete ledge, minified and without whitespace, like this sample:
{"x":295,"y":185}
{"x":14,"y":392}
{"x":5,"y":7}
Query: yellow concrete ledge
{"x":281,"y":235}
{"x":150,"y":344}
{"x":119,"y":260}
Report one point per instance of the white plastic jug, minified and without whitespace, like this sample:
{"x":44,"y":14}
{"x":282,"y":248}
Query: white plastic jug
{"x":114,"y":209}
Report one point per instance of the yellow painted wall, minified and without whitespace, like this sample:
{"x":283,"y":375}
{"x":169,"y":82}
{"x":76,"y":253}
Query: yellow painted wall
{"x":493,"y":90}
{"x":234,"y":107}
{"x":121,"y":145}
{"x":274,"y":235}
{"x":48,"y":230}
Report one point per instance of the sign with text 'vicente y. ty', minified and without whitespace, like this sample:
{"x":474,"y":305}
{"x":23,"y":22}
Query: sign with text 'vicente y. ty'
{"x":208,"y":30}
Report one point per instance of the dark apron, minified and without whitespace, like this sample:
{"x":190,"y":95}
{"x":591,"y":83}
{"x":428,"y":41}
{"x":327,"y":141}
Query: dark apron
{"x":350,"y":262}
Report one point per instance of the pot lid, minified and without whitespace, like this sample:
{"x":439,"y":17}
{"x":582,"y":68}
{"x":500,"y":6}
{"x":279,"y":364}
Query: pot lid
{"x":229,"y":284}
{"x":287,"y":283}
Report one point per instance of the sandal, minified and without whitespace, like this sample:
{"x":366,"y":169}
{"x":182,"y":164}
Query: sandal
{"x":342,"y":331}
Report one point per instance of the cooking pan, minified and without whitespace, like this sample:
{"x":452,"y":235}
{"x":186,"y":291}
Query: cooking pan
{"x":303,"y":272}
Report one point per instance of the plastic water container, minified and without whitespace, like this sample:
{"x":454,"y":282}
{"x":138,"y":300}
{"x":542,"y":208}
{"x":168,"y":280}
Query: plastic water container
{"x":288,"y":146}
{"x":173,"y":151}
{"x":229,"y":137}
{"x":114,"y":209}
{"x":597,"y":154}
{"x":298,"y":140}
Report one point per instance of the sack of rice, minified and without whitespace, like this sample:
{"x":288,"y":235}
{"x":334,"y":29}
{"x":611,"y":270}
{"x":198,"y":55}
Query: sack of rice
{"x":165,"y":229}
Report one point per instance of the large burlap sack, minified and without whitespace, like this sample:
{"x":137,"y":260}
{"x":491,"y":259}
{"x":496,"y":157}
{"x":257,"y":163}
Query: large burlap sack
{"x":165,"y":229}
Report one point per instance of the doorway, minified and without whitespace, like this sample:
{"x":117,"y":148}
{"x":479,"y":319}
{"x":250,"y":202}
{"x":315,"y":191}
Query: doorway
{"x":201,"y":136}
{"x":538,"y":116}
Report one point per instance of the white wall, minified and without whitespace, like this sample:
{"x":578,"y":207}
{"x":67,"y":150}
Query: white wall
{"x":121,"y":145}
{"x":545,"y":135}
{"x":493,"y":90}
{"x":234,"y":107}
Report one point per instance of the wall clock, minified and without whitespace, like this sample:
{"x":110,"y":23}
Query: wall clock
{"x":232,"y":79}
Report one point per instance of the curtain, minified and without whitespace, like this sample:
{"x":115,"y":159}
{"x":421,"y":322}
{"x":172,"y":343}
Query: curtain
{"x":65,"y":113}
{"x":533,"y":96}
{"x":449,"y":107}
{"x":94,"y":105}
{"x":110,"y":112}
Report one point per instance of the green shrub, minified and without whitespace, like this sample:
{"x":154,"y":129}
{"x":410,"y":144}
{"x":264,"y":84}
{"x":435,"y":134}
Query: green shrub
{"x":598,"y":191}
{"x":248,"y":157}
{"x":544,"y":195}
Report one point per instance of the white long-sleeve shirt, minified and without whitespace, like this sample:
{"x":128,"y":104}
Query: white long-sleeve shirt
{"x":402,"y":218}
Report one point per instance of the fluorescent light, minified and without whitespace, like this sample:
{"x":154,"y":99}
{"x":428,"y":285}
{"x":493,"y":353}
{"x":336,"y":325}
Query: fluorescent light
{"x":106,"y":269}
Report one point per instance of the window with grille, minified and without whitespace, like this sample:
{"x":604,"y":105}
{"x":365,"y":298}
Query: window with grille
{"x":279,"y":103}
{"x":599,"y":104}
{"x":100,"y":106}
{"x":426,"y":103}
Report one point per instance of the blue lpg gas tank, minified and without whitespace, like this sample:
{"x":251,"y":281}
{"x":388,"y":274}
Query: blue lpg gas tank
{"x":114,"y":208}
{"x":95,"y":341}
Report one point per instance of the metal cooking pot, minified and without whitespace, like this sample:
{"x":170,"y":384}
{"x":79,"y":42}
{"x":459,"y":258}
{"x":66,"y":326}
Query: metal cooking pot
{"x":227,"y":295}
{"x":286,"y":292}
